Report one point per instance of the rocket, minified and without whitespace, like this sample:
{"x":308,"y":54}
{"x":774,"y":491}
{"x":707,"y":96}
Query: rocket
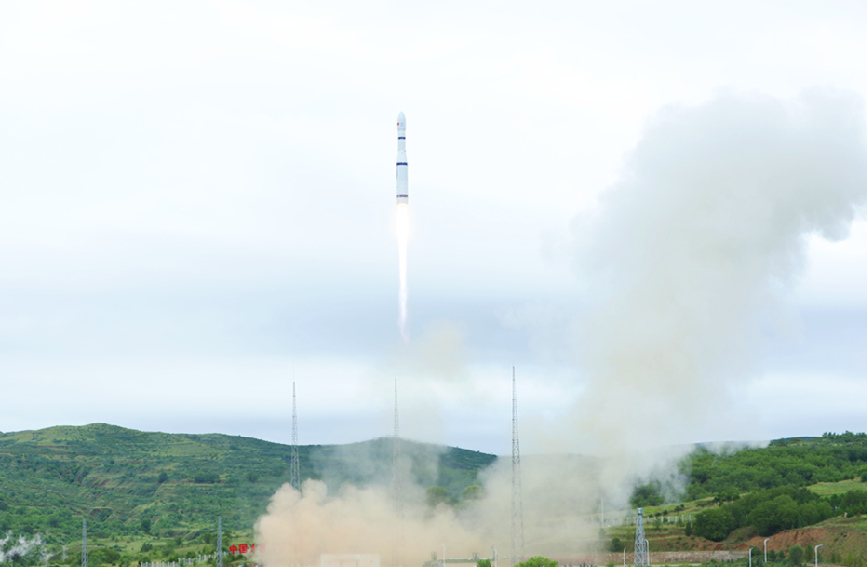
{"x":402,"y":167}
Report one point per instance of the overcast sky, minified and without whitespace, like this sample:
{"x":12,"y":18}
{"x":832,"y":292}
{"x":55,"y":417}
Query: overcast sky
{"x":198,"y":208}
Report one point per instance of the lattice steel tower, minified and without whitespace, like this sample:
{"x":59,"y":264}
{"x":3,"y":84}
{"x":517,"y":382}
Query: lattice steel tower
{"x":642,"y":557}
{"x":84,"y":543}
{"x":395,"y":464}
{"x":219,"y":542}
{"x":295,"y":463}
{"x":517,"y":501}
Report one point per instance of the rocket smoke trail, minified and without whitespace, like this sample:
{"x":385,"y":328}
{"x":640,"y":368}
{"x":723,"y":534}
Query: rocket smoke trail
{"x":402,"y":222}
{"x":402,"y":237}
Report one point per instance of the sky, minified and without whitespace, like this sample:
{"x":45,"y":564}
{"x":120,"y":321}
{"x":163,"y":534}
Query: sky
{"x":198,"y":209}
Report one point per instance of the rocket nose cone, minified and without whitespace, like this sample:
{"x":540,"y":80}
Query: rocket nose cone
{"x":401,"y":119}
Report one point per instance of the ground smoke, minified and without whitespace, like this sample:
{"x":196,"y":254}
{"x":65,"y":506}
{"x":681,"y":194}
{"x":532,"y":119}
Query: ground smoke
{"x":12,"y":548}
{"x":300,"y":526}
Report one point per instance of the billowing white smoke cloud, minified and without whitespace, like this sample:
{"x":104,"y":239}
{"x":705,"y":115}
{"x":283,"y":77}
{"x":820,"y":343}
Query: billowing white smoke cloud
{"x":300,"y":526}
{"x":12,"y":548}
{"x":686,"y":260}
{"x":692,"y":251}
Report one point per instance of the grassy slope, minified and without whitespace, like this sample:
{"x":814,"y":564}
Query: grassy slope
{"x":844,"y":539}
{"x":51,"y":478}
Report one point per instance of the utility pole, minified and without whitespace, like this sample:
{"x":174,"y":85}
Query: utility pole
{"x":602,"y":512}
{"x":816,"y":553}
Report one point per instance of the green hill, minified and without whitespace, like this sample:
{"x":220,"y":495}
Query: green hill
{"x":128,"y":482}
{"x":155,"y":496}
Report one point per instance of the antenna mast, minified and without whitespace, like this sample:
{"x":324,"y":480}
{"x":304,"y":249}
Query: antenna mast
{"x":294,"y":465}
{"x":517,"y":502}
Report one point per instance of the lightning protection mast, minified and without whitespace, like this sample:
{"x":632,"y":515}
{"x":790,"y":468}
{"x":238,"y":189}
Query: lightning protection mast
{"x":84,"y":543}
{"x":295,"y":464}
{"x":219,"y":542}
{"x":517,"y":501}
{"x":395,"y":464}
{"x":642,"y":557}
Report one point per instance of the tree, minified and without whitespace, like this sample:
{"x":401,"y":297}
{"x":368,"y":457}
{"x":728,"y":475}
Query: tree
{"x":796,"y":555}
{"x":164,"y":476}
{"x":616,"y":545}
{"x":206,"y":477}
{"x":483,"y":563}
{"x":472,"y":493}
{"x":714,"y":524}
{"x":687,"y":531}
{"x":775,"y":515}
{"x":647,"y":495}
{"x":436,"y":495}
{"x":146,"y":525}
{"x":538,"y":561}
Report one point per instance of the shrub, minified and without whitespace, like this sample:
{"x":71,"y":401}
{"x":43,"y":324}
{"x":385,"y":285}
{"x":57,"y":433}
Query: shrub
{"x":538,"y":561}
{"x":206,"y":478}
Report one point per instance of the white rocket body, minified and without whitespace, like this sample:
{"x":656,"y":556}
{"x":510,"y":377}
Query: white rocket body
{"x":402,"y":167}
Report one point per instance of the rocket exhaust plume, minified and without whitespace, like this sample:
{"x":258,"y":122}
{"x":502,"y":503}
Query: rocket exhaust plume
{"x":402,"y":222}
{"x":402,"y":237}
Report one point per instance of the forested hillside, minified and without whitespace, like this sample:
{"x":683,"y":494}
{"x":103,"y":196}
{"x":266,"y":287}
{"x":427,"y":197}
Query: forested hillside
{"x":785,"y":462}
{"x":131,"y":482}
{"x":155,"y":495}
{"x":763,"y":490}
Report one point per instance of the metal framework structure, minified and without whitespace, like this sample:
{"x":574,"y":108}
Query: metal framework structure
{"x":517,"y":501}
{"x":219,"y":542}
{"x":642,"y":555}
{"x":295,"y":463}
{"x":396,"y":484}
{"x":84,"y":543}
